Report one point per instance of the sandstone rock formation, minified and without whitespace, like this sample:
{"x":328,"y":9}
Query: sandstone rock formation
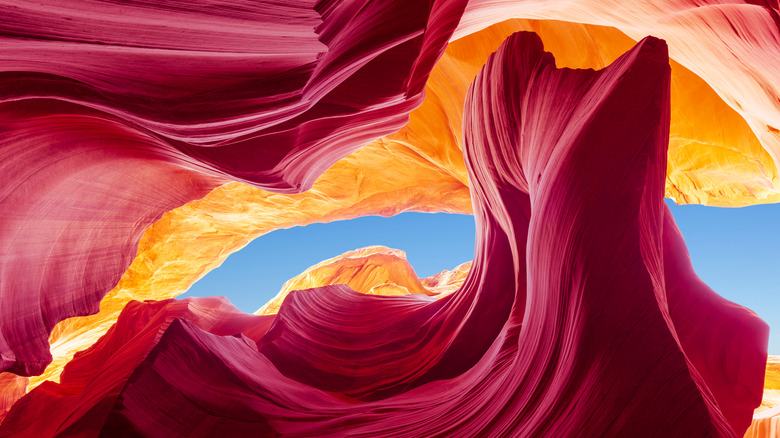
{"x":534,"y":320}
{"x":420,"y":168}
{"x":113,"y":115}
{"x":375,"y":270}
{"x":101,"y":139}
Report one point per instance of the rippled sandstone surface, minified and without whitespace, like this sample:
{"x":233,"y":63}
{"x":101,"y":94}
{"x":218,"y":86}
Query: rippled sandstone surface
{"x":328,"y":343}
{"x":419,"y":168}
{"x":78,"y":121}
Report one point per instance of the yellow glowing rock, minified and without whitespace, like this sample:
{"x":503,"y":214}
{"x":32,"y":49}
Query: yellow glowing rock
{"x":714,"y":159}
{"x":771,"y":384}
{"x":375,"y":270}
{"x":12,"y":387}
{"x":447,"y":282}
{"x":388,"y":290}
{"x":766,"y":421}
{"x":765,"y":424}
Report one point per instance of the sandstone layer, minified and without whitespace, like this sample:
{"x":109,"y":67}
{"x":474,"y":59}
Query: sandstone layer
{"x":534,"y":319}
{"x":420,"y":168}
{"x":114,"y":115}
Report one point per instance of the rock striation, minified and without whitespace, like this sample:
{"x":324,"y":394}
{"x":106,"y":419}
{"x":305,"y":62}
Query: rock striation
{"x":580,"y":303}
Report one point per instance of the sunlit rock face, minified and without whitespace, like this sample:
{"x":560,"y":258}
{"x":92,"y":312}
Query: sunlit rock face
{"x":527,"y":347}
{"x":448,"y":281}
{"x":766,"y":421}
{"x":766,"y":424}
{"x":12,"y":387}
{"x":375,"y":270}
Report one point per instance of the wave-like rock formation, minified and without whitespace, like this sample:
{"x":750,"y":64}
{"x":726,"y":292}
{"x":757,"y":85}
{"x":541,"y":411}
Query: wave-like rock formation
{"x":109,"y":121}
{"x":93,"y":380}
{"x":713,"y":158}
{"x":580,"y":315}
{"x":734,"y":46}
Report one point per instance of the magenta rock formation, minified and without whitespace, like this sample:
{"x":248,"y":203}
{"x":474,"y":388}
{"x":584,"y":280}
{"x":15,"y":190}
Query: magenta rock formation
{"x":580,"y":316}
{"x":733,"y":45}
{"x":112,"y":114}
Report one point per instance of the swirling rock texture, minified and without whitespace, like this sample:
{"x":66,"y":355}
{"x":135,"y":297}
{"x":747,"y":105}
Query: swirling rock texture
{"x":299,"y":97}
{"x":418,"y":168}
{"x":88,"y":144}
{"x":94,"y":378}
{"x":527,"y":346}
{"x":734,"y":46}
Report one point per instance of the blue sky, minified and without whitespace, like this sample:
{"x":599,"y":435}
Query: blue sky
{"x":734,"y":250}
{"x":254,"y":275}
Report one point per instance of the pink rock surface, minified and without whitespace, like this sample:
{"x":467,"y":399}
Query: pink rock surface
{"x":580,"y":315}
{"x":113,"y":114}
{"x":93,"y":380}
